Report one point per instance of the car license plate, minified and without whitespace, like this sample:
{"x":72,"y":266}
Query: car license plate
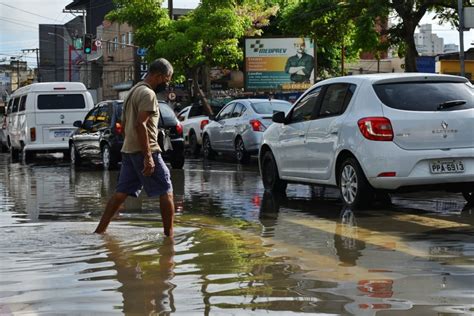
{"x":61,"y":133}
{"x":446,"y":166}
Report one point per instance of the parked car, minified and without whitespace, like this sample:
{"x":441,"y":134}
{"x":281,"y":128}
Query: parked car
{"x":193,"y":118}
{"x":374,"y":134}
{"x":99,"y":136}
{"x":239,"y":126}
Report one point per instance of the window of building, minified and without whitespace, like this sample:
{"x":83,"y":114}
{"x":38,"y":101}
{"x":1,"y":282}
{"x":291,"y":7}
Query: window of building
{"x":130,"y":38}
{"x":115,"y":43}
{"x":124,"y":40}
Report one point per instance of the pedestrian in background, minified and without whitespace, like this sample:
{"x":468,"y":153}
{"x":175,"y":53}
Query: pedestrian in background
{"x":142,"y":164}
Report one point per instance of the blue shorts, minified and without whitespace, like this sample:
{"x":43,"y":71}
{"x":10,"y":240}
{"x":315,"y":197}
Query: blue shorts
{"x":131,"y":179}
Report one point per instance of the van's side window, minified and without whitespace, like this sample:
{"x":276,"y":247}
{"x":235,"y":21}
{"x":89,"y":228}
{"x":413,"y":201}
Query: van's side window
{"x":22,"y":103}
{"x":15,"y":105}
{"x":61,"y":101}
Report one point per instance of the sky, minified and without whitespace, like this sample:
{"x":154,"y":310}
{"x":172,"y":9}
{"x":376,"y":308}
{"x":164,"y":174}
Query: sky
{"x":19,"y":21}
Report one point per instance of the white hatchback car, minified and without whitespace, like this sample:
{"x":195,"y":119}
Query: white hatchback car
{"x":374,"y":134}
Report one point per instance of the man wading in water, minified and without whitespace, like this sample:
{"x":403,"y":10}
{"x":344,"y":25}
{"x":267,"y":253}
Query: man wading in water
{"x":142,"y":165}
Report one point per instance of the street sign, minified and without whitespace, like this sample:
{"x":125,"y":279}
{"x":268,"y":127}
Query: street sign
{"x":98,"y":43}
{"x":171,"y":96}
{"x":141,"y":51}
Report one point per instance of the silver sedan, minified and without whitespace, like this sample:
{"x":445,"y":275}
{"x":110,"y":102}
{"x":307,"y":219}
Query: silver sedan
{"x":239,"y":126}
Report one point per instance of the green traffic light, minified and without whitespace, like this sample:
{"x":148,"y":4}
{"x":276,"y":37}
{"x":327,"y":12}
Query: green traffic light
{"x":87,"y":50}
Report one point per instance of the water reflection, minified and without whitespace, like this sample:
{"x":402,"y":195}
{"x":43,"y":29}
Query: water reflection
{"x":146,"y":288}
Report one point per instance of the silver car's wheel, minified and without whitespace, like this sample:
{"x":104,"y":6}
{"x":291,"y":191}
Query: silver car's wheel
{"x":349,"y":184}
{"x":355,"y":189}
{"x":208,"y":152}
{"x":240,"y":153}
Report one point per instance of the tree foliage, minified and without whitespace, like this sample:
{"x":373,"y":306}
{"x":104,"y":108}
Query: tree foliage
{"x":206,"y":37}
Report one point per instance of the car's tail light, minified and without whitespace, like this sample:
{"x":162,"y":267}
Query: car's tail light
{"x":204,"y":123}
{"x":376,"y":128}
{"x":33,"y":134}
{"x":257,"y":126}
{"x":118,"y":128}
{"x":179,"y":129}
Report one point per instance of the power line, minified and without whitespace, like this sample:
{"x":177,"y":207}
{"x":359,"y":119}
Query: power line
{"x":41,"y":16}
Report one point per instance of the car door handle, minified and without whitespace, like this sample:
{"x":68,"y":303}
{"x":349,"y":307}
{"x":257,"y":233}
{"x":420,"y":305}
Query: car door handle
{"x":301,"y":134}
{"x":334,"y":132}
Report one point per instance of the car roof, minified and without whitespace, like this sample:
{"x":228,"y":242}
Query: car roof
{"x":394,"y":77}
{"x":257,"y":100}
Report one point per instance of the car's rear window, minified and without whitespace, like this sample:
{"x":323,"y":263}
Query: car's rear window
{"x":167,"y":115}
{"x":61,"y":101}
{"x":270,"y":107}
{"x":426,"y":96}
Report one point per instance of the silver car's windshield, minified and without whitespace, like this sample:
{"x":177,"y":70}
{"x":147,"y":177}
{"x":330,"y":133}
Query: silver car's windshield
{"x":269,"y":107}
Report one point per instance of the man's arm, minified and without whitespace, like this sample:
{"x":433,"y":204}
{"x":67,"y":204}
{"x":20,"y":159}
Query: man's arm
{"x":140,"y":125}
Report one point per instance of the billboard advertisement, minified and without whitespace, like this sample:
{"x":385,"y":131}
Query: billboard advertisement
{"x":279,"y":63}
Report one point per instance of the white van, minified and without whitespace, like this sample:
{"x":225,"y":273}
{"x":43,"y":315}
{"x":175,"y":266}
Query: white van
{"x":40,"y":117}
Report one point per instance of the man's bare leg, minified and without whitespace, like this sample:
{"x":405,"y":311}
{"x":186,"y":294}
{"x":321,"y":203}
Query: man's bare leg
{"x":112,"y":207}
{"x":167,"y":213}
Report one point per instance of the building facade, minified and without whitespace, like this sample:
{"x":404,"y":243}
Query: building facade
{"x":427,"y":43}
{"x":119,"y":59}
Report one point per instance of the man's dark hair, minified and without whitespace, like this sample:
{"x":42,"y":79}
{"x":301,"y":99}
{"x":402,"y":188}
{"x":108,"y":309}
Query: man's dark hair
{"x":160,"y":66}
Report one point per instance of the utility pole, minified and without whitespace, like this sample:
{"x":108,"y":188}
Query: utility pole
{"x":170,"y":9}
{"x":34,"y":50}
{"x":461,"y":36}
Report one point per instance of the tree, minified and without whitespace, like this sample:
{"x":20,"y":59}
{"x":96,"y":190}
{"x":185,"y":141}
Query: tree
{"x":207,"y":37}
{"x":364,"y":16}
{"x":329,"y":24}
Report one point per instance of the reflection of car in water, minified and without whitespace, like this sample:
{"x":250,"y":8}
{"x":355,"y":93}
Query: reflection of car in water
{"x":378,"y":262}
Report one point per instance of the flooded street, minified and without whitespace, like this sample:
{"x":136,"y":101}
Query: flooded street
{"x":237,"y":251}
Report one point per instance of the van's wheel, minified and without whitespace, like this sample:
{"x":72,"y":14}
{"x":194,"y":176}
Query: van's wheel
{"x":270,"y":177}
{"x":108,"y":162}
{"x":194,"y":147}
{"x":15,"y":154}
{"x":469,"y":196}
{"x":355,"y":190}
{"x":75,"y":157}
{"x":28,"y":156}
{"x":208,"y":152}
{"x":241,"y":154}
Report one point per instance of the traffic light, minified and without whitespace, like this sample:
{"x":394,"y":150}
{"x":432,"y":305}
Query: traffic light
{"x":87,"y":43}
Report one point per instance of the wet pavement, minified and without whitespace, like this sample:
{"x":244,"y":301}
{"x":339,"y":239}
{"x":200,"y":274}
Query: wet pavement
{"x":236,"y":249}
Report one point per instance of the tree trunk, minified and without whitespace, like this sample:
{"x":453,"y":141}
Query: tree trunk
{"x":411,"y":54}
{"x":198,"y":92}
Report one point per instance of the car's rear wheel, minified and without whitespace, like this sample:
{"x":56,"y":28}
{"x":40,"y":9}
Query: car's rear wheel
{"x":28,"y":156}
{"x":108,"y":162}
{"x":469,"y":196}
{"x":194,"y":147}
{"x":270,"y":177}
{"x":355,"y":189}
{"x":75,"y":157}
{"x":208,"y":152}
{"x":241,"y":154}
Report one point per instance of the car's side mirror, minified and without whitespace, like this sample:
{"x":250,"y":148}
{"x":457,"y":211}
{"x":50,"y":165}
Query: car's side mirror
{"x":77,"y":124}
{"x":278,"y":117}
{"x":212,"y":117}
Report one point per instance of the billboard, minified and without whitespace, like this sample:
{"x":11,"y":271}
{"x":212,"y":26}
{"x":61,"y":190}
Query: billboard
{"x":279,"y":63}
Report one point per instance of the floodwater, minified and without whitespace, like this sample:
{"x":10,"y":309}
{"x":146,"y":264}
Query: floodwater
{"x":237,"y":251}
